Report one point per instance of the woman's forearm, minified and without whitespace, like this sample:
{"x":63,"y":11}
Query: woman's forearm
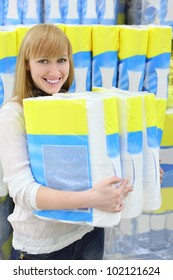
{"x":105,"y":196}
{"x":48,"y":198}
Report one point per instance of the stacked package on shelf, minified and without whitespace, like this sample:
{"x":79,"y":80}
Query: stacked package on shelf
{"x":170,"y":83}
{"x":53,"y":11}
{"x":166,"y":16}
{"x":150,"y":12}
{"x":158,"y":60}
{"x":20,"y":34}
{"x":105,"y":55}
{"x":167,"y":150}
{"x":1,"y":12}
{"x":157,"y":12}
{"x":8,"y":54}
{"x":71,"y":11}
{"x":134,"y":12}
{"x":107,"y":11}
{"x":132,"y":57}
{"x":89,"y":12}
{"x":80,"y":38}
{"x":12,"y":12}
{"x":32,"y":11}
{"x":67,"y":152}
{"x":121,"y":18}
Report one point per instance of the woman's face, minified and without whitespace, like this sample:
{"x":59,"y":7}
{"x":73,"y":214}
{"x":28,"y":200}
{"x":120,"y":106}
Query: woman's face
{"x":49,"y":74}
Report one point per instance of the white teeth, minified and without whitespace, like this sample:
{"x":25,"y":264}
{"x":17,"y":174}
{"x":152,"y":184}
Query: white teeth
{"x":52,"y":81}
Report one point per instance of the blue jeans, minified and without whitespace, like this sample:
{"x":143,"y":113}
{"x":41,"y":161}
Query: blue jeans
{"x":89,"y":247}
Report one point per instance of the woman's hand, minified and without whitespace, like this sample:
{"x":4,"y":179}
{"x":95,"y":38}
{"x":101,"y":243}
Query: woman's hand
{"x":161,"y":174}
{"x":108,"y":195}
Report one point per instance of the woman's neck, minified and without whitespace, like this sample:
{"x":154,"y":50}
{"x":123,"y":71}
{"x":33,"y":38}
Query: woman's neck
{"x":38,"y":92}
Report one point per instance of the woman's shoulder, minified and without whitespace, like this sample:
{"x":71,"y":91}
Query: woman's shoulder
{"x":11,"y":110}
{"x":12,"y":106}
{"x":11,"y":120}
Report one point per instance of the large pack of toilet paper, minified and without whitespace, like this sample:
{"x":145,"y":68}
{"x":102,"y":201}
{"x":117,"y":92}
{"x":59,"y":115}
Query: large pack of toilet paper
{"x":76,"y":140}
{"x":73,"y":144}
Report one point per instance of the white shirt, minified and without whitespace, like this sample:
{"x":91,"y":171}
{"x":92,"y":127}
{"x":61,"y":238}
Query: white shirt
{"x":31,"y":234}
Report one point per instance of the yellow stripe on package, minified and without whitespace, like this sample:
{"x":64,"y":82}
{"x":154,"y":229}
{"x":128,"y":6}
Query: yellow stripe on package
{"x":66,"y":150}
{"x":105,"y":55}
{"x":158,"y":60}
{"x":8,"y":50}
{"x":132,"y":57}
{"x":80,"y":38}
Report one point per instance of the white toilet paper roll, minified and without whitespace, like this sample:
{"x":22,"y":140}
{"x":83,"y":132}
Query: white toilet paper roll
{"x":101,"y":165}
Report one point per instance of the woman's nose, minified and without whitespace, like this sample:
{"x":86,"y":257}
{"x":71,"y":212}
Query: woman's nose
{"x":54,"y":68}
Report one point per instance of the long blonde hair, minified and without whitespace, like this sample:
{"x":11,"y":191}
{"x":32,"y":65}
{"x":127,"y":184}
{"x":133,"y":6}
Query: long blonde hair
{"x":42,"y":40}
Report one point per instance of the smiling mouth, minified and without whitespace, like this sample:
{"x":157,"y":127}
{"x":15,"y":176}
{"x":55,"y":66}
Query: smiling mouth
{"x":53,"y":81}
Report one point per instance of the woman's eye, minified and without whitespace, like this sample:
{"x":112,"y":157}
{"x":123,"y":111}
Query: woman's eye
{"x":43,"y":61}
{"x":62,"y":60}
